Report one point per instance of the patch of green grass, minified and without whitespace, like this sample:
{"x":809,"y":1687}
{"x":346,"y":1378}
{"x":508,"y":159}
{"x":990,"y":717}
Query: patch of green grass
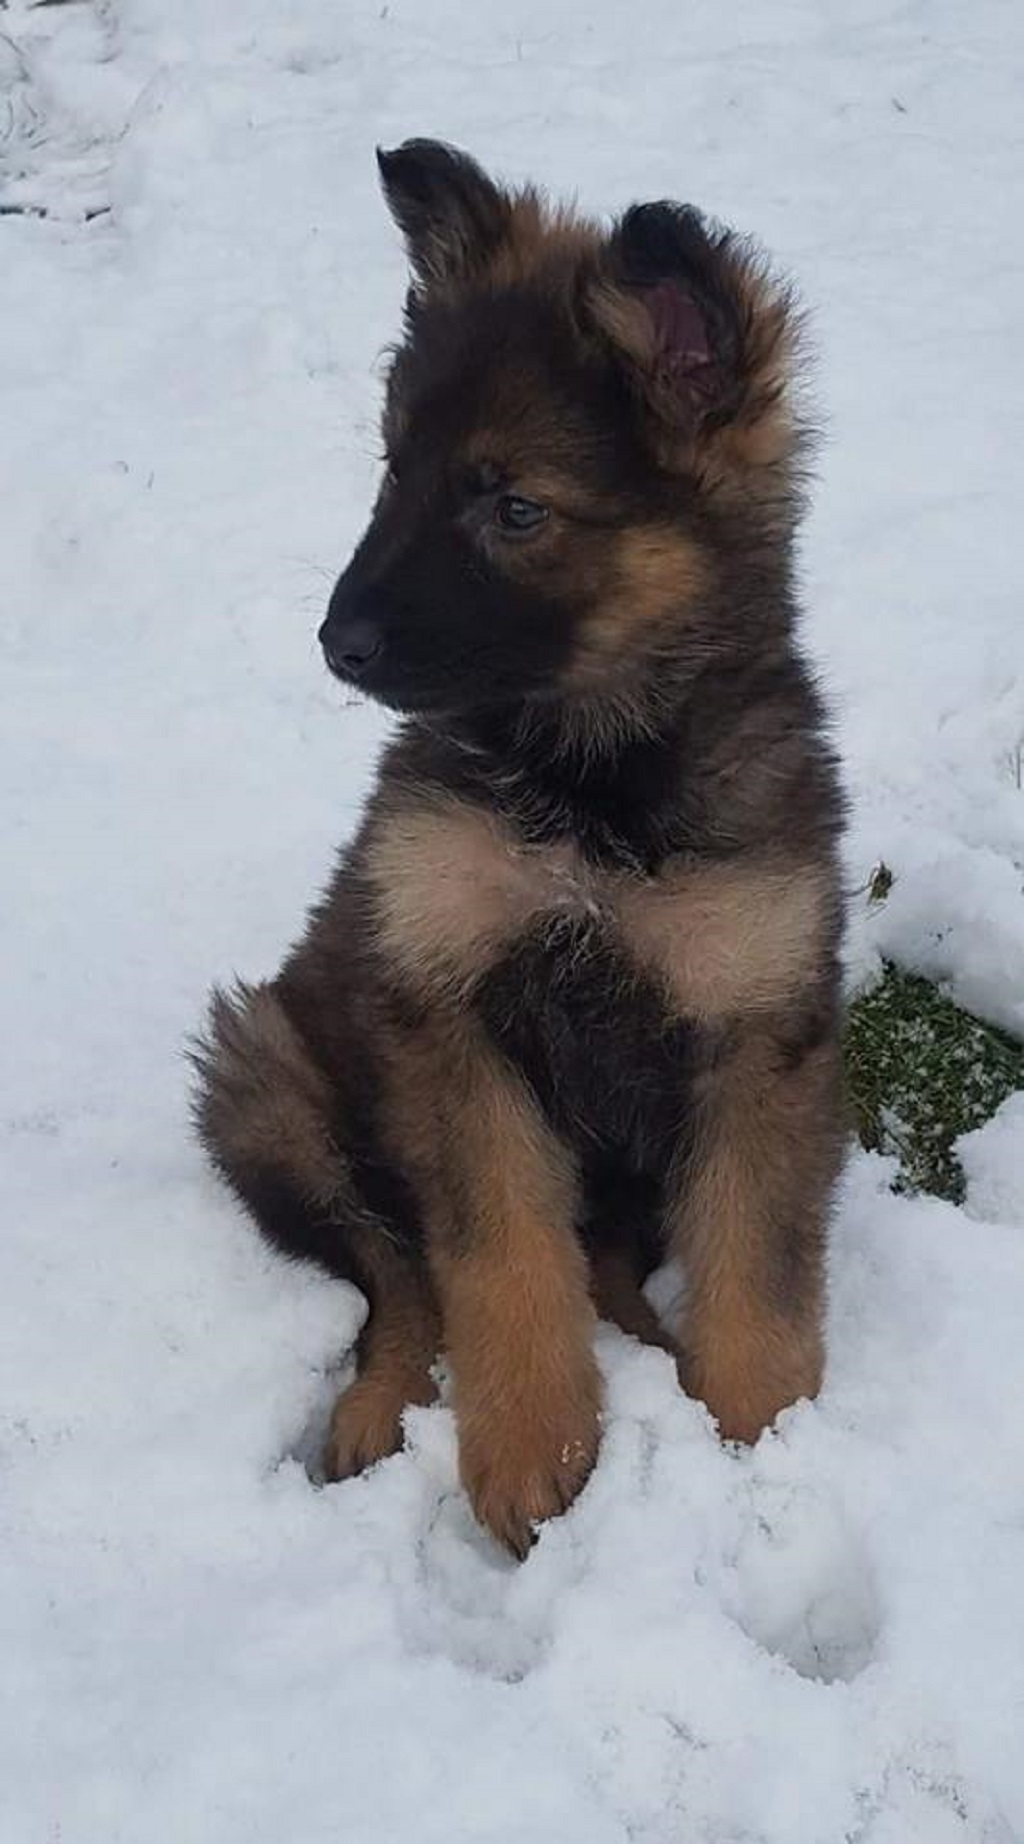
{"x":920,"y":1072}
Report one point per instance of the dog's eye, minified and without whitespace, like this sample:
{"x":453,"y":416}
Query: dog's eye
{"x":514,"y":514}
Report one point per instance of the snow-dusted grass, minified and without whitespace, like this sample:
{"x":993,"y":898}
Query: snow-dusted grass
{"x":819,"y":1642}
{"x":921,"y":1072}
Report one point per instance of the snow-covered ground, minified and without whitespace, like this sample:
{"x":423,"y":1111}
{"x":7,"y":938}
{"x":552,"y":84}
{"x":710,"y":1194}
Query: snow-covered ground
{"x":819,"y":1642}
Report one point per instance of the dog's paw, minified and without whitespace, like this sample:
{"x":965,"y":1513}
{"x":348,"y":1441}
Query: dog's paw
{"x":517,"y":1480}
{"x":366,"y":1426}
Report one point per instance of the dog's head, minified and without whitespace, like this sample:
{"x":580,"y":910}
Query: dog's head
{"x":587,"y":434}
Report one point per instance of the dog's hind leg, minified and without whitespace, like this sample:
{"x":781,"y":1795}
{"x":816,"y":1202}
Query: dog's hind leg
{"x":266,"y":1113}
{"x":395,"y":1355}
{"x":618,"y":1298}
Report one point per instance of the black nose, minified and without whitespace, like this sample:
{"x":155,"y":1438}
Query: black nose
{"x":351,"y":645}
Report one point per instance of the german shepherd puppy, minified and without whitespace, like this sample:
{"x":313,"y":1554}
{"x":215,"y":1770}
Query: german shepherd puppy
{"x":570,"y":1004}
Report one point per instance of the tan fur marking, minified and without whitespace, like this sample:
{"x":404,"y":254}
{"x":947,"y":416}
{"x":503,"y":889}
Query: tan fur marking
{"x":727,"y":940}
{"x":541,"y":237}
{"x":500,"y":1198}
{"x":762,"y":436}
{"x":747,"y":1365}
{"x":654,"y":575}
{"x":750,"y":1230}
{"x":452,"y":883}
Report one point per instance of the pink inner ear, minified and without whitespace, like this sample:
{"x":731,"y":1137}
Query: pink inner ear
{"x":682,"y":336}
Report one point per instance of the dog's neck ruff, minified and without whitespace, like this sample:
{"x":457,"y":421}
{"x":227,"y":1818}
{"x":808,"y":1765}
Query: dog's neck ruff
{"x":558,"y":772}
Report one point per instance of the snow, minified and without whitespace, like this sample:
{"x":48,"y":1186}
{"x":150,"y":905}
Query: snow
{"x":817,"y":1642}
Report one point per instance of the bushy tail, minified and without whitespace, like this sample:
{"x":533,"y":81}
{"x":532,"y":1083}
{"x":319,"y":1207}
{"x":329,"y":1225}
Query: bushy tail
{"x":265,"y":1113}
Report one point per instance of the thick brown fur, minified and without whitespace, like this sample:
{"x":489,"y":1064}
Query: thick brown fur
{"x":570,"y":1003}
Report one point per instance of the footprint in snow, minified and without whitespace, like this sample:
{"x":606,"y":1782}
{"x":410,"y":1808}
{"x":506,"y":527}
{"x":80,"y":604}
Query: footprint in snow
{"x":801,"y":1583}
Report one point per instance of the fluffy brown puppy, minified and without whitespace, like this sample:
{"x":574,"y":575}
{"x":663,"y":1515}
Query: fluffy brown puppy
{"x":570,"y":1003}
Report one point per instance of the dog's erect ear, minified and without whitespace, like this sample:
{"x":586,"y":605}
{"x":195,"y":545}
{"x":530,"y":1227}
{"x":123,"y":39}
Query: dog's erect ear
{"x":704,"y":334}
{"x":660,"y":307}
{"x":452,"y":216}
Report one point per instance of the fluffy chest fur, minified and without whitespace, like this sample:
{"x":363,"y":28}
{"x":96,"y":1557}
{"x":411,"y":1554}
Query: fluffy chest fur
{"x":454,"y":887}
{"x":597,"y":983}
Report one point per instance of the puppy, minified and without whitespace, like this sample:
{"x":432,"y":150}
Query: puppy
{"x":570,"y":1004}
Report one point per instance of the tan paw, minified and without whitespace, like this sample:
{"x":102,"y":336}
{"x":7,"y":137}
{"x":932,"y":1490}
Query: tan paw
{"x":745,"y":1400}
{"x":518,"y":1479}
{"x":366,"y":1426}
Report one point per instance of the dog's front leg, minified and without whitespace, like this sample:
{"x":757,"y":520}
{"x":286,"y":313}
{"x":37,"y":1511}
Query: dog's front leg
{"x":748,"y":1216}
{"x":501,"y":1203}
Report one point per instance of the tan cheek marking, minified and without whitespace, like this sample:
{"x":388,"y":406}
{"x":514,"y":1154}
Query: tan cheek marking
{"x":451,"y":885}
{"x":659,"y":569}
{"x":726,"y":941}
{"x":655,"y":577}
